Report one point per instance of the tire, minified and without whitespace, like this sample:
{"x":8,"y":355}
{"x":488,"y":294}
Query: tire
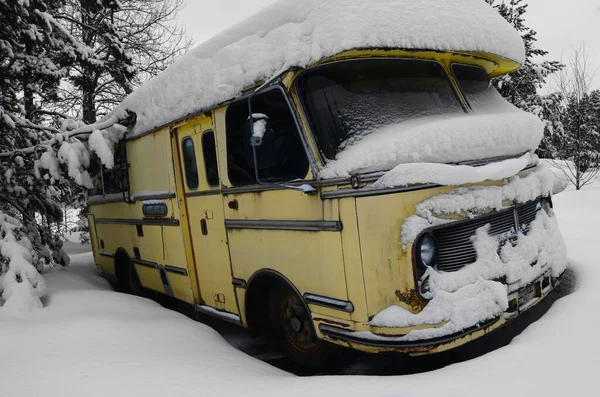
{"x":293,"y":328}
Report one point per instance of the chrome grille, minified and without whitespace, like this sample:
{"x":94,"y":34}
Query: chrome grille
{"x":454,"y":241}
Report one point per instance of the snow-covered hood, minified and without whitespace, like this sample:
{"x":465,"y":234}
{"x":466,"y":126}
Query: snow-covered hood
{"x":440,"y":139}
{"x":293,"y":33}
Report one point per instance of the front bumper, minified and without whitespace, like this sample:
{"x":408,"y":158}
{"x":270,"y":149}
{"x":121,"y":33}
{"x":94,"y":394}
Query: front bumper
{"x":519,"y":301}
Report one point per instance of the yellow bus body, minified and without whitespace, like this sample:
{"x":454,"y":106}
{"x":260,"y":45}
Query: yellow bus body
{"x":216,"y":243}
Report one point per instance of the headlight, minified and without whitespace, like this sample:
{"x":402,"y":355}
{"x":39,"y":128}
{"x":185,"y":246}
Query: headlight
{"x":427,"y":252}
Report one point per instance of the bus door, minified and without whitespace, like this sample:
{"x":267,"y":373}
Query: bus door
{"x":199,"y":165}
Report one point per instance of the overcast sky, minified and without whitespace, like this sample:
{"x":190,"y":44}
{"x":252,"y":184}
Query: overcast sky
{"x":561,"y":24}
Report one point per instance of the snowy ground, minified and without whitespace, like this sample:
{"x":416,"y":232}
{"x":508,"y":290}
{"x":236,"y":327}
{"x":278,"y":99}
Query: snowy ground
{"x":92,"y":341}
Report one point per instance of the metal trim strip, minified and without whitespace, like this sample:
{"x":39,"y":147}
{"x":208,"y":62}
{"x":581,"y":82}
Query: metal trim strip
{"x":105,"y":199}
{"x":154,"y":196}
{"x":330,"y":303}
{"x":106,"y":254}
{"x":203,"y":193}
{"x":177,"y":270}
{"x":145,"y":263}
{"x":344,"y":193}
{"x":343,"y":334}
{"x":239,"y":283}
{"x":148,"y":222}
{"x":301,"y":226}
{"x":225,"y":316}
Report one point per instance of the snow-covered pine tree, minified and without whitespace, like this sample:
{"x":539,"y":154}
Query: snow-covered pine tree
{"x":580,"y":142}
{"x":30,"y":50}
{"x":574,"y":139}
{"x":550,"y":108}
{"x":42,"y":159}
{"x":520,"y":87}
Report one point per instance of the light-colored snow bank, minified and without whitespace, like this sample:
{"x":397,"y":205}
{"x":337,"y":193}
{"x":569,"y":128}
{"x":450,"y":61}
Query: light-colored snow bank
{"x":294,"y":33}
{"x":440,"y":139}
{"x":446,"y":174}
{"x":468,"y":296}
{"x":91,"y":341}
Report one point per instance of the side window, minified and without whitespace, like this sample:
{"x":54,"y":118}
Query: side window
{"x":282,"y":154}
{"x":209,"y":149}
{"x":116,"y":180}
{"x":189,"y":163}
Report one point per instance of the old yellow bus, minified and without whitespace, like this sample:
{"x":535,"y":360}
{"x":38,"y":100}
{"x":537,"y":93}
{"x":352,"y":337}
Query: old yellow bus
{"x":336,"y":178}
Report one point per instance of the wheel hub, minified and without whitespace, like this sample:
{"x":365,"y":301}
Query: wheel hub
{"x":296,"y":324}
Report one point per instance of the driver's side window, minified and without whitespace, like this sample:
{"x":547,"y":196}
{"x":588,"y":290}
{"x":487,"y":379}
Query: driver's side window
{"x":281,"y":156}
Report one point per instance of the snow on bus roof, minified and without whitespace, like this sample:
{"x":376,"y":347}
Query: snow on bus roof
{"x":293,"y":33}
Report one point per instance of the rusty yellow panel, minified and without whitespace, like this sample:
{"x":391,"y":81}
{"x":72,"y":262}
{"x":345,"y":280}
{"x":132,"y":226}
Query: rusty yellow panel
{"x":277,"y":205}
{"x":151,"y":163}
{"x":312,"y":261}
{"x":388,"y":271}
{"x":181,"y":287}
{"x":152,"y":244}
{"x":352,"y":259}
{"x":150,"y":278}
{"x":387,"y":264}
{"x":116,"y":236}
{"x":212,"y":253}
{"x":174,"y":249}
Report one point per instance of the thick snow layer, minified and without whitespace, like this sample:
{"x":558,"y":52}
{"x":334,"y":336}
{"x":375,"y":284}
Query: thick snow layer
{"x":294,"y":33}
{"x":474,"y":199}
{"x":446,"y":174}
{"x":474,"y":303}
{"x":91,"y":341}
{"x":440,"y":139}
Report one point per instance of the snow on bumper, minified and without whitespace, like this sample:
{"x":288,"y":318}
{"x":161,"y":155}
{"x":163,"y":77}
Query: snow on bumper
{"x":465,"y":305}
{"x":510,"y":275}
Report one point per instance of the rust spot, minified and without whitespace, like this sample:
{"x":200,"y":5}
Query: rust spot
{"x":331,"y":322}
{"x":412,"y":299}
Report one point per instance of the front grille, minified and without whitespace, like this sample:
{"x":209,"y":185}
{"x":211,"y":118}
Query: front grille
{"x":454,"y":241}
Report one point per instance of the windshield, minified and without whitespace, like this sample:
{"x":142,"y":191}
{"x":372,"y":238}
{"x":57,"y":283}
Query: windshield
{"x":346,"y":101}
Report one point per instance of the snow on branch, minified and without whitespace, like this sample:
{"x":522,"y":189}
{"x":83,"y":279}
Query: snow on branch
{"x":21,"y":285}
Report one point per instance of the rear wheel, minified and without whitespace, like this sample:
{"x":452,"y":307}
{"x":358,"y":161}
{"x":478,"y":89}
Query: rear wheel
{"x":293,"y":327}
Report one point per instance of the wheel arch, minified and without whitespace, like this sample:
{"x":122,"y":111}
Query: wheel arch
{"x":256,"y":298}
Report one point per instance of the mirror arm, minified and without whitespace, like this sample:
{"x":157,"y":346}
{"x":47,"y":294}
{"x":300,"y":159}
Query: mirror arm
{"x":257,"y":141}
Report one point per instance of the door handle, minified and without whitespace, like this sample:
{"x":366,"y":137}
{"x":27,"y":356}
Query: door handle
{"x":204,"y":227}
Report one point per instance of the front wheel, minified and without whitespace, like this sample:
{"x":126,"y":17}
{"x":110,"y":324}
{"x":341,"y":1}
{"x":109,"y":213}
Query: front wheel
{"x":293,"y":327}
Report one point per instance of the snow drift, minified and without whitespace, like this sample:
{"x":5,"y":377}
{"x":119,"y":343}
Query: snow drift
{"x":290,"y":34}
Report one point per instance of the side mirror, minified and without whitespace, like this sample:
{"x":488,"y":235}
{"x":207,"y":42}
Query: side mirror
{"x":259,"y":142}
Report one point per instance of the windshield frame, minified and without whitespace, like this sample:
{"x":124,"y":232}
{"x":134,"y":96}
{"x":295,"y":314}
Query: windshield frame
{"x":458,"y":84}
{"x":309,"y":124}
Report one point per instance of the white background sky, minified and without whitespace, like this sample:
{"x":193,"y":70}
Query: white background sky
{"x":561,"y":24}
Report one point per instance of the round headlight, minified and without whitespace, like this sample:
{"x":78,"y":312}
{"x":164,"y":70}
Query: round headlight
{"x":427,"y":251}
